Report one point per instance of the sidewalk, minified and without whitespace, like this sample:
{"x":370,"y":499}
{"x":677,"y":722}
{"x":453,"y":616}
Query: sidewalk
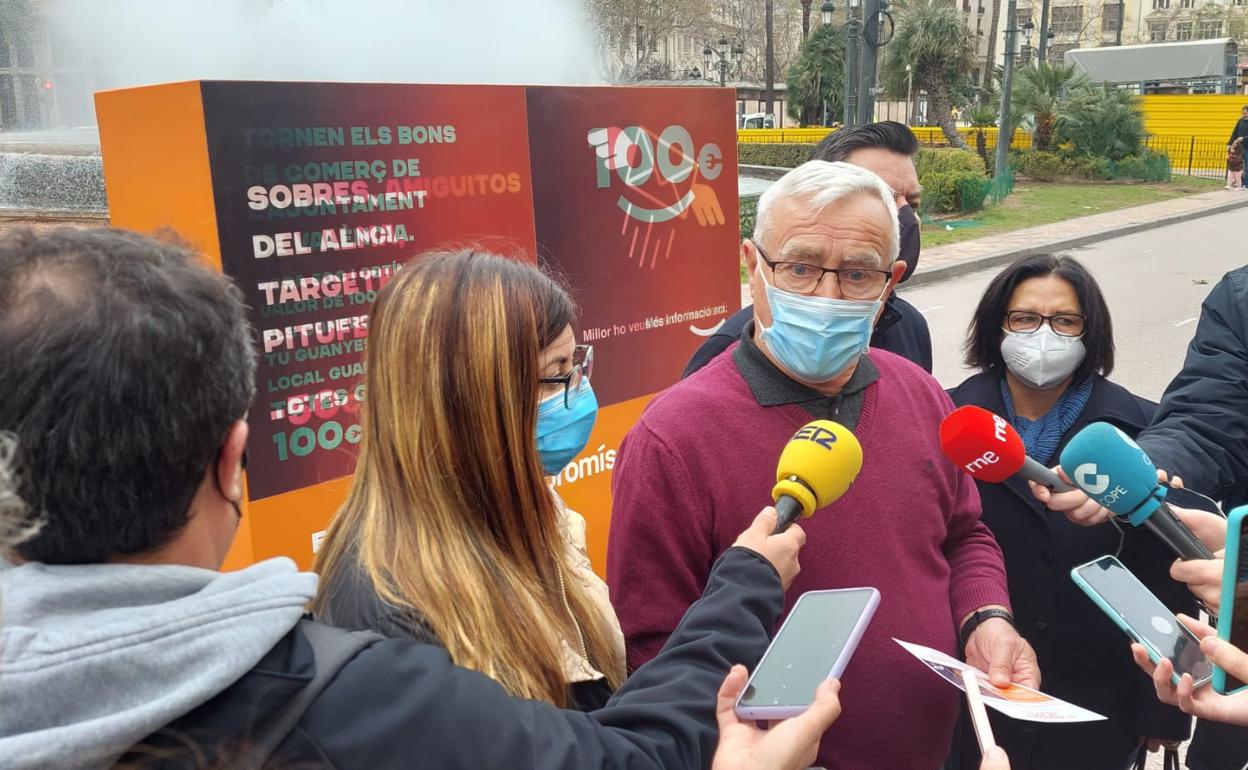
{"x":942,"y":262}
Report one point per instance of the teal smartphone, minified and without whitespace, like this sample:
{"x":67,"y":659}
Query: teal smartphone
{"x":1233,"y":612}
{"x":1138,"y":612}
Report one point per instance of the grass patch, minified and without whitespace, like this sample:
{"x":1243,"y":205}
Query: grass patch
{"x":1040,"y":204}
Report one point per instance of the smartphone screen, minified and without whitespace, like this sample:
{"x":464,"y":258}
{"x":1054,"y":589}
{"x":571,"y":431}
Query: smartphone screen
{"x":1239,"y":610}
{"x":808,"y":648}
{"x":1144,"y":613}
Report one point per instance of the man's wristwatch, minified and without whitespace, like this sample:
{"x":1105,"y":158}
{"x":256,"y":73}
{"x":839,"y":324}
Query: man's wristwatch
{"x":979,"y":616}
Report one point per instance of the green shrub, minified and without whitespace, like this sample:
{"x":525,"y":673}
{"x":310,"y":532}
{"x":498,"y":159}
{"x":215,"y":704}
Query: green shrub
{"x":1043,"y":166}
{"x":749,"y":213}
{"x":973,"y":192}
{"x":951,"y":192}
{"x":940,"y":160}
{"x":1147,"y":166}
{"x":780,"y":154}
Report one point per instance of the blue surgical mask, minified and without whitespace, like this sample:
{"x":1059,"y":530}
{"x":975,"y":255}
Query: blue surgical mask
{"x":563,"y":430}
{"x":816,"y":338}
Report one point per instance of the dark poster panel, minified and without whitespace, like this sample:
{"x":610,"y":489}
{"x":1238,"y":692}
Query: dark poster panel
{"x":323,"y":191}
{"x":635,"y":192}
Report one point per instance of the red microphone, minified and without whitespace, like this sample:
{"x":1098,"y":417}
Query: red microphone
{"x":986,"y":446}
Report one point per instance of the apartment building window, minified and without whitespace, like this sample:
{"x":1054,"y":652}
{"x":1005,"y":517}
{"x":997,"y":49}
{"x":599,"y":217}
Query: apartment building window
{"x":1210,"y":29}
{"x":1187,"y":3}
{"x":1057,"y":53}
{"x":1023,"y":15}
{"x":1111,"y":17}
{"x":1067,"y":19}
{"x":1156,"y":32}
{"x":1161,"y":5}
{"x":1240,"y":2}
{"x":1183,"y":30}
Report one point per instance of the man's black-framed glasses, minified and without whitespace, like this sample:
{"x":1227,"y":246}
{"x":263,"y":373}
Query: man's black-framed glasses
{"x":570,"y":383}
{"x":1063,"y":324}
{"x":801,"y":278}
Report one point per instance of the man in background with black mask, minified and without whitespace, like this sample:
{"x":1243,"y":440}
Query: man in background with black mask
{"x":887,"y":149}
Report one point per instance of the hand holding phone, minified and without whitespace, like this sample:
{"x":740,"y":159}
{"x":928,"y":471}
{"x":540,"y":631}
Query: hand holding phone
{"x":815,"y":643}
{"x":1144,"y":618}
{"x":1233,"y":608}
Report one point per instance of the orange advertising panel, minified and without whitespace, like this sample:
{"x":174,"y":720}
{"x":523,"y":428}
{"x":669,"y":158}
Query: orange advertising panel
{"x":311,"y":195}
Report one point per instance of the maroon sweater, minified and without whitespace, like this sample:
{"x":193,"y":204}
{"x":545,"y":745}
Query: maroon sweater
{"x":700,"y":464}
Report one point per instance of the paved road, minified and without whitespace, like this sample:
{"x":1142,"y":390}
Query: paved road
{"x":1152,"y":281}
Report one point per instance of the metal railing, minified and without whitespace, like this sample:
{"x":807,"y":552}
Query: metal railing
{"x":1192,"y":155}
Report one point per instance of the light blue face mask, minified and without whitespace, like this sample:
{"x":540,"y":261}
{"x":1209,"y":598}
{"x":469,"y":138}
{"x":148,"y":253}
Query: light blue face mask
{"x":563,"y":431}
{"x":816,"y":338}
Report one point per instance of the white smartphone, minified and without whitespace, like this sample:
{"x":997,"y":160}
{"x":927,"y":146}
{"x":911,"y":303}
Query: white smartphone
{"x":815,"y":643}
{"x":1137,"y":611}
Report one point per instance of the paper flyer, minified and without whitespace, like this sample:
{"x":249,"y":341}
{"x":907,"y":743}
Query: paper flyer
{"x":1016,"y":701}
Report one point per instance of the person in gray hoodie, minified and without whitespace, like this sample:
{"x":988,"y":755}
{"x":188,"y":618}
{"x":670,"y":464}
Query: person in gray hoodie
{"x":126,"y":370}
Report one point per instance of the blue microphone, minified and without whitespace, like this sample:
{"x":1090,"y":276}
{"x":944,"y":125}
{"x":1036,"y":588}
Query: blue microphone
{"x":1112,"y":470}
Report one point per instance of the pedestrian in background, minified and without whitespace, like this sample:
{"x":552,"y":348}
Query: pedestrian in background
{"x":1240,"y":132}
{"x":1235,"y":164}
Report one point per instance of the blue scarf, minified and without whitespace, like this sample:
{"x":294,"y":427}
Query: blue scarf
{"x":1042,"y":436}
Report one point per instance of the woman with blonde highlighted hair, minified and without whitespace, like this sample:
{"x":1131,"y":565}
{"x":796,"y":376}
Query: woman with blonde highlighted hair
{"x":477,"y":391}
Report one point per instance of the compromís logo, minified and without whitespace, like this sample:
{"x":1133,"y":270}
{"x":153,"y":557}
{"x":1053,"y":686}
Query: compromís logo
{"x":665,"y":174}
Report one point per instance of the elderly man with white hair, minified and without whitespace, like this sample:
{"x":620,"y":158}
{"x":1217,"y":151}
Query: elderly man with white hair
{"x":702,"y":458}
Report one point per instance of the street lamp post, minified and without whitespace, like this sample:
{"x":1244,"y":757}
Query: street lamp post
{"x":1042,"y":46}
{"x":1007,"y":84}
{"x":851,"y":64}
{"x":825,"y":16}
{"x":722,"y":50}
{"x":1025,"y":56}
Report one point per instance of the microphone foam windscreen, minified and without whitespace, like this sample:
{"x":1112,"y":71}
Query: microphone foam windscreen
{"x":1110,"y":468}
{"x":982,"y":444}
{"x":825,"y":456}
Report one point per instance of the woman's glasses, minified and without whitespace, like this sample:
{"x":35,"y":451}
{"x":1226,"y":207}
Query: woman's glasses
{"x":570,"y":383}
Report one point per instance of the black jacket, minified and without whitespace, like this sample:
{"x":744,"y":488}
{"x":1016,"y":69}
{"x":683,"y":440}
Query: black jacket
{"x":401,"y":704}
{"x":902,"y":329}
{"x":353,"y":603}
{"x":1201,"y":433}
{"x":1084,"y":658}
{"x":1240,"y":131}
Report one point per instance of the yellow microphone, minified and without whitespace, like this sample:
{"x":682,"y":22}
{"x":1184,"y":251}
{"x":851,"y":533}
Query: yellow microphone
{"x":816,"y":467}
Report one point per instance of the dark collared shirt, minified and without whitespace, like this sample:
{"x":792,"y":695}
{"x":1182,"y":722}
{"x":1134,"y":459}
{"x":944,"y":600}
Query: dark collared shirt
{"x":772,"y":387}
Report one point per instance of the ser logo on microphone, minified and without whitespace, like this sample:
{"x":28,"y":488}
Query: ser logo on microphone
{"x":821,"y":436}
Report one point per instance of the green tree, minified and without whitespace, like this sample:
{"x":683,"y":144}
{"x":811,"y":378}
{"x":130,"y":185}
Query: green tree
{"x":1043,"y":90}
{"x":1102,"y":122}
{"x":818,"y":75}
{"x":933,"y":38}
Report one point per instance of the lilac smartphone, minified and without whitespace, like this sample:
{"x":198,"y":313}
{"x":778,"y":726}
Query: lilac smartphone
{"x":815,"y":643}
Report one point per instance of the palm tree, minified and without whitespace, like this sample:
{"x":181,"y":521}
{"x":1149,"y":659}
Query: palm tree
{"x":806,"y":19}
{"x":931,"y":37}
{"x":817,"y":76}
{"x":1042,"y":90}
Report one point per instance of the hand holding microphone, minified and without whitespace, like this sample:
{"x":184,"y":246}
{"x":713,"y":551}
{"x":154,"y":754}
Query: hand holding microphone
{"x":816,"y":467}
{"x":987,"y":447}
{"x":1114,"y":472}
